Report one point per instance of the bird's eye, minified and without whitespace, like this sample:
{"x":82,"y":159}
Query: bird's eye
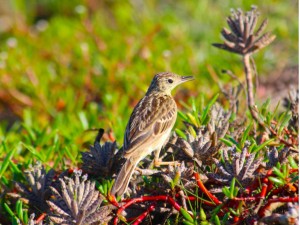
{"x":170,"y":81}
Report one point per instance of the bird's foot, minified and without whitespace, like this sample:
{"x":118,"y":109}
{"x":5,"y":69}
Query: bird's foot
{"x":139,"y":170}
{"x":146,"y":172}
{"x":159,"y":162}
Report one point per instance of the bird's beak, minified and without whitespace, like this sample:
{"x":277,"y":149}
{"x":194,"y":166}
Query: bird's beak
{"x":186,"y":78}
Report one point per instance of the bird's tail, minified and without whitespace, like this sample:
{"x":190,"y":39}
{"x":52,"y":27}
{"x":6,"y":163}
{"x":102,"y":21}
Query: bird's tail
{"x":123,"y":178}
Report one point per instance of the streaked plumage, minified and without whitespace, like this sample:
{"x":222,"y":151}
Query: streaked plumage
{"x":149,"y":126}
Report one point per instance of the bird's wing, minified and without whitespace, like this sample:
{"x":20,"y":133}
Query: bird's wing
{"x":151,"y":117}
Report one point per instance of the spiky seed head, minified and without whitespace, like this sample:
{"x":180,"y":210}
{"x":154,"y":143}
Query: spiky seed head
{"x":166,"y":82}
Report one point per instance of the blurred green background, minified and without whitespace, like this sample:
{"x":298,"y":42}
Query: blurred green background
{"x":68,"y":67}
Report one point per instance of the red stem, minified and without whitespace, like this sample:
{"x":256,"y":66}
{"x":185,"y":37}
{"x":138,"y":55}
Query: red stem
{"x":203,"y":188}
{"x":263,"y":210}
{"x":294,"y":170}
{"x":245,"y":199}
{"x":141,"y":217}
{"x":40,"y":218}
{"x":144,"y":199}
{"x":266,"y":188}
{"x":112,"y":199}
{"x":193,"y":198}
{"x":263,"y":191}
{"x":284,"y":199}
{"x":174,"y":204}
{"x":270,"y":187}
{"x":236,"y":219}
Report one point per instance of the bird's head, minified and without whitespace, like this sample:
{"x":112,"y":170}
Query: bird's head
{"x":166,"y":81}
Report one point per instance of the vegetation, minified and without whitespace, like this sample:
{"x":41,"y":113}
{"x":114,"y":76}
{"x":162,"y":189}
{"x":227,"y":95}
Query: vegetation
{"x":69,"y":68}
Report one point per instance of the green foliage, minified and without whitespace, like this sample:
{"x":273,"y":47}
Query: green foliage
{"x":20,"y":215}
{"x":6,"y":161}
{"x":254,"y":147}
{"x":196,"y":115}
{"x":292,"y":162}
{"x":282,"y":173}
{"x":232,"y":191}
{"x":66,"y":78}
{"x":68,"y":68}
{"x":104,"y":187}
{"x":187,"y":217}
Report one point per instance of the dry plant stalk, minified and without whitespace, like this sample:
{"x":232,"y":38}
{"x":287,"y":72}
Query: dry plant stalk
{"x":242,"y":39}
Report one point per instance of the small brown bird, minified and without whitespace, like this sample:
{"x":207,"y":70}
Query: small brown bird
{"x":149,"y":126}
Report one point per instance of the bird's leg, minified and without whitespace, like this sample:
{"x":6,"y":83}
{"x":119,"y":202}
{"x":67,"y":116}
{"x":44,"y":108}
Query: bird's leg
{"x":158,"y":161}
{"x":146,"y":172}
{"x":139,"y":170}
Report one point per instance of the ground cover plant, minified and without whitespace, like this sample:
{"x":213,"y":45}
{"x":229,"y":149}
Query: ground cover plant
{"x":69,"y":69}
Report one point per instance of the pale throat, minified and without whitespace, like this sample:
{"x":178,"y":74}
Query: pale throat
{"x":168,"y":91}
{"x":156,"y":90}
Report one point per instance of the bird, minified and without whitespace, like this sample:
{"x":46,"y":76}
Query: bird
{"x":149,"y":126}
